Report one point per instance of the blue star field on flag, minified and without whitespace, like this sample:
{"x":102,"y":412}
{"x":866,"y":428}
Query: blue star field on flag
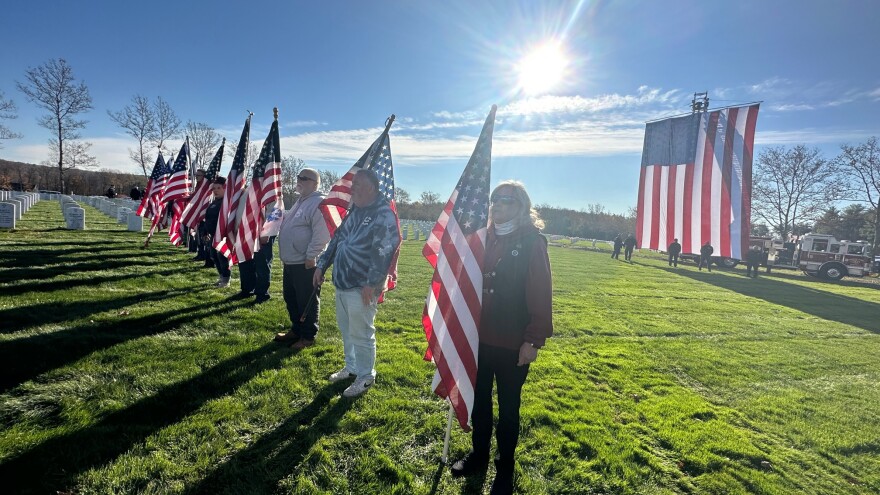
{"x":181,"y":163}
{"x":384,"y":169}
{"x":471,"y":209}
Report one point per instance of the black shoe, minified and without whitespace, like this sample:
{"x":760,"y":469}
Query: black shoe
{"x":242,"y":295}
{"x":470,"y":464}
{"x":288,"y":337}
{"x":503,"y":483}
{"x":198,"y":258}
{"x":208,"y":265}
{"x":260,"y":299}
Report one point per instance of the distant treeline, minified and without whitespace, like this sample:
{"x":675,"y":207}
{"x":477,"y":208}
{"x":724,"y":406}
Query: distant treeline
{"x":25,"y":176}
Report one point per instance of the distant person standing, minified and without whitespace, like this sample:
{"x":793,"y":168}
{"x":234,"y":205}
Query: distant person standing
{"x":753,"y":261}
{"x":209,"y":226}
{"x":111,"y":192}
{"x":301,"y":240}
{"x":706,"y":256}
{"x":674,"y":250}
{"x":618,"y":243}
{"x":628,"y":245}
{"x":135,"y":193}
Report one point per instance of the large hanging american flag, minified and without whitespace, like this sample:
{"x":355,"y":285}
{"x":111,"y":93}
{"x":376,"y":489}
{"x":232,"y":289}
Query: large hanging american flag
{"x":179,"y":184}
{"x":696,"y":182}
{"x":265,"y":190}
{"x":226,"y":225}
{"x":202,"y":197}
{"x":455,"y":249}
{"x":335,"y":206}
{"x":155,"y":183}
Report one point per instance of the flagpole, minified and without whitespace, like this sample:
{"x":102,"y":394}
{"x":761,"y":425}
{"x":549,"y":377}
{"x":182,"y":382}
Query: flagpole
{"x":448,"y":433}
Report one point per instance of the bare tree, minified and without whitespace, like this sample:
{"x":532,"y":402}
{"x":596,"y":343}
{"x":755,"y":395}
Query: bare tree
{"x":203,"y":142}
{"x":328,"y":178}
{"x":53,"y":88}
{"x":8,"y":111}
{"x":429,"y":197}
{"x":75,"y":155}
{"x":138,"y":121}
{"x":791,"y":186}
{"x":401,"y":196}
{"x":290,"y":168}
{"x":167,"y":123}
{"x":861,"y":165}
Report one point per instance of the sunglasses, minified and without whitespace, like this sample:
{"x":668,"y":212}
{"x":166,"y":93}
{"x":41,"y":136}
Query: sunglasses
{"x":504,"y":200}
{"x":302,"y":177}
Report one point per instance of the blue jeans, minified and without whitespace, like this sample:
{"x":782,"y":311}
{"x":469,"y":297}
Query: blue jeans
{"x":355,"y":321}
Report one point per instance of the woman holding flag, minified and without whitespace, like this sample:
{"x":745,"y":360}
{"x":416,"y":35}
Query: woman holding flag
{"x":515,"y":321}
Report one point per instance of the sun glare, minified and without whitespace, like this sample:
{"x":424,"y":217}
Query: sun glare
{"x":542,"y":69}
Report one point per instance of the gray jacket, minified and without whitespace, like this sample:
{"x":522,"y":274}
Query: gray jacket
{"x":303,"y":233}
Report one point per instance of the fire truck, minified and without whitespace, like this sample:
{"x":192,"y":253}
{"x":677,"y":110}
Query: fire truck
{"x":817,"y":255}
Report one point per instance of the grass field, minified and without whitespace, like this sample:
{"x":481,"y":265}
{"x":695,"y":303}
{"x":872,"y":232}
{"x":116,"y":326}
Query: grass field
{"x":125,"y":371}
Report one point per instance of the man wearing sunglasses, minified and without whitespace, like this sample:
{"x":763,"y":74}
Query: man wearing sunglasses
{"x":303,"y":237}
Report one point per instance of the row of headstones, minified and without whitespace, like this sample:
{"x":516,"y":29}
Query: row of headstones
{"x":124,"y":211}
{"x":13,"y":205}
{"x":74,"y":214}
{"x":421,"y":229}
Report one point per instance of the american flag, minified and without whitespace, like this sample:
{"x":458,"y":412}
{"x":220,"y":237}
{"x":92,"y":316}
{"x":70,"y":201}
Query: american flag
{"x":335,"y":206}
{"x":225,"y":233}
{"x":179,"y":184}
{"x":696,"y":182}
{"x":155,"y":183}
{"x":174,"y":230}
{"x":265,"y":190}
{"x":159,"y":204}
{"x":202,"y":197}
{"x":455,"y":250}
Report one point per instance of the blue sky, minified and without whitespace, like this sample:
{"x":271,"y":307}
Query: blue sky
{"x":337,"y":69}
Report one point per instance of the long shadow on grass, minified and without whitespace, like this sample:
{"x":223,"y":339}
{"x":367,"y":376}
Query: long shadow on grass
{"x":54,"y":464}
{"x":29,"y":257}
{"x":26,"y":358}
{"x":18,"y":289}
{"x":16,"y":274}
{"x":258,"y":468}
{"x":20,"y":317}
{"x":817,"y":302}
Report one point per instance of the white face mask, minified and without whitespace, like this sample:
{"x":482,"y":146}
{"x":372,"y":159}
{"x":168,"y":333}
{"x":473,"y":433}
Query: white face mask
{"x":506,"y":227}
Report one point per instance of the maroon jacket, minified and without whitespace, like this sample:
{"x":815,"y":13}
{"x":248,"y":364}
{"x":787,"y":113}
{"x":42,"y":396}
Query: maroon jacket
{"x":517,"y":290}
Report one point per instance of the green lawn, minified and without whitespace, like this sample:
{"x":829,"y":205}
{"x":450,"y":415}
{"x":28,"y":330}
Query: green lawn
{"x":125,"y":371}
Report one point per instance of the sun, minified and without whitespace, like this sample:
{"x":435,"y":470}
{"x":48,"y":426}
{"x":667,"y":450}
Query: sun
{"x":542,"y":69}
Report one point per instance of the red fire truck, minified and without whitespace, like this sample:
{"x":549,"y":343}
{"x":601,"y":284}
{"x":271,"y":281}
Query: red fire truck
{"x":817,"y":255}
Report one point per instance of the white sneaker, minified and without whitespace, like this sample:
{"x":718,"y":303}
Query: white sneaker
{"x":340,"y":375}
{"x":359,"y":387}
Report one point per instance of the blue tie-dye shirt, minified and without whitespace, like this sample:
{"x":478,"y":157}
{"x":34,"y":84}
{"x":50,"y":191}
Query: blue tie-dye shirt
{"x":362,"y":248}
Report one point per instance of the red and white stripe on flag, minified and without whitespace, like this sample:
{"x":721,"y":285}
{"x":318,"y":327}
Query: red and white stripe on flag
{"x":452,"y":310}
{"x":174,"y":230}
{"x":263,"y":192}
{"x":224,"y":236}
{"x":335,"y":206}
{"x":456,"y":248}
{"x":197,"y":206}
{"x":696,"y":182}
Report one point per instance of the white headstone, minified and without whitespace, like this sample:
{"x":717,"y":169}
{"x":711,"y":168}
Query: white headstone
{"x":122,"y":215}
{"x":76,"y":219}
{"x":18,"y":207}
{"x":7,"y":215}
{"x":135,"y":223}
